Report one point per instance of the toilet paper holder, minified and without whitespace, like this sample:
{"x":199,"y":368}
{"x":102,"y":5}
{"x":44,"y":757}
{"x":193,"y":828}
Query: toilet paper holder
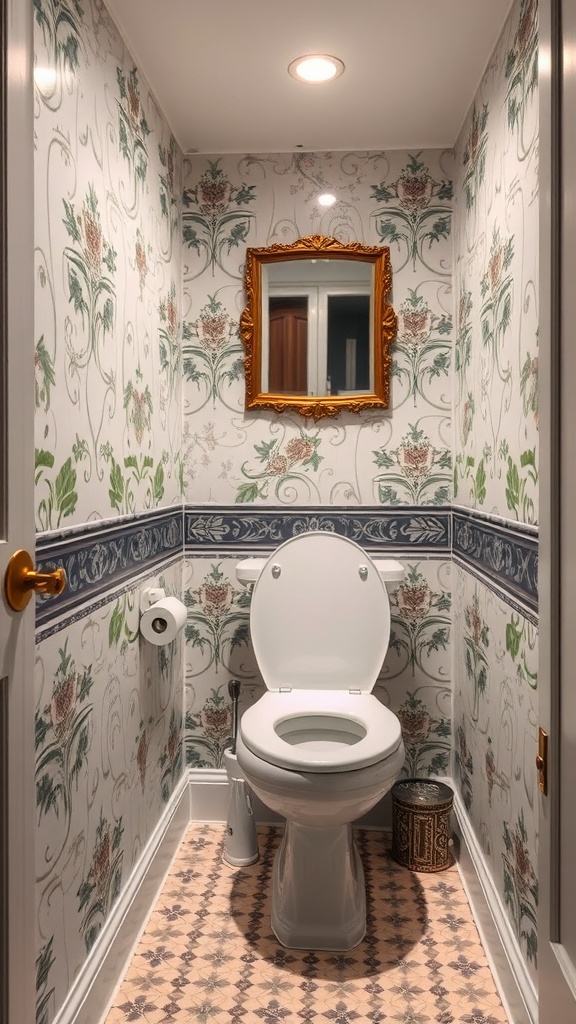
{"x":150,"y":596}
{"x":162,"y":618}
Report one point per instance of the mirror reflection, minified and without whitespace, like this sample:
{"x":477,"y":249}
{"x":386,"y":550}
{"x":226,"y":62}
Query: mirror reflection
{"x":318,"y":327}
{"x":317,"y":336}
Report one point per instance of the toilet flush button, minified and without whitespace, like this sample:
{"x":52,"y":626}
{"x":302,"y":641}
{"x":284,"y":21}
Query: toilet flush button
{"x":276,"y":570}
{"x":363,"y":572}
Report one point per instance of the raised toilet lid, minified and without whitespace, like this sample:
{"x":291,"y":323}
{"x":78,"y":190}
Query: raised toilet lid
{"x":320,"y":616}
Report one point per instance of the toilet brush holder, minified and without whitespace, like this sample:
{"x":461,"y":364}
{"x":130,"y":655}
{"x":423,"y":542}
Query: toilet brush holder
{"x":241,"y":842}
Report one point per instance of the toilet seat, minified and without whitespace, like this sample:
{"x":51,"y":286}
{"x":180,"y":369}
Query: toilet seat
{"x":320,"y":616}
{"x":290,"y":730}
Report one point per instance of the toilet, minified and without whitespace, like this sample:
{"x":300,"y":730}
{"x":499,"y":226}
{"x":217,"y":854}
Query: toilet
{"x":318,"y":747}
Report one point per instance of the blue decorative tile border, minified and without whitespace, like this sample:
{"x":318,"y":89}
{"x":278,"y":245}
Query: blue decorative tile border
{"x":100,"y":557}
{"x":505,"y":555}
{"x":91,"y":603}
{"x":230,"y":531}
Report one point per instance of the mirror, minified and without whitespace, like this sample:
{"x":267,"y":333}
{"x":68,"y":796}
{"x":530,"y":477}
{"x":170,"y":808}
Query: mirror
{"x":318,"y":327}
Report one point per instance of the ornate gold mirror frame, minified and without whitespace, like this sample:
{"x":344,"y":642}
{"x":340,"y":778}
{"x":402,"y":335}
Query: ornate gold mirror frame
{"x":383,"y":327}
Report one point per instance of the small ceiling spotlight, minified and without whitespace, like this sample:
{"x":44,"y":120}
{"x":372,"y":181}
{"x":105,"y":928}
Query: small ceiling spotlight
{"x":316,"y":67}
{"x":327,"y":199}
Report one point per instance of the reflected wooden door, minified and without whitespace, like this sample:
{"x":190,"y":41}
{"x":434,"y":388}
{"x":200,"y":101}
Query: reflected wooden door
{"x":288,"y":356}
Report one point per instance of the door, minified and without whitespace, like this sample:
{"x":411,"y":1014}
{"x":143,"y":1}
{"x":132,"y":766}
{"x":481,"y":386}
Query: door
{"x":17,"y":977}
{"x":288,"y":353}
{"x":557,"y":584}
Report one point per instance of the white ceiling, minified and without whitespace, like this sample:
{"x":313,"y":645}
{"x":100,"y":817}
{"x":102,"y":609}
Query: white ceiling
{"x":218,"y":69}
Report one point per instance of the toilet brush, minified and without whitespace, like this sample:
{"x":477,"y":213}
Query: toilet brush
{"x":234,"y":691}
{"x":241,"y":842}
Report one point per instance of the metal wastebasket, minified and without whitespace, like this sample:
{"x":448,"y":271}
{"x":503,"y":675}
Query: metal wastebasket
{"x":421,"y":837}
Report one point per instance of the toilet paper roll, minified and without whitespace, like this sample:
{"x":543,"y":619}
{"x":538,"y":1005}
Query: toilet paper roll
{"x":161,"y":623}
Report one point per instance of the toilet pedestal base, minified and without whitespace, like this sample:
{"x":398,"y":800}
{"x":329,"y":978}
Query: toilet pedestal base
{"x":318,"y":889}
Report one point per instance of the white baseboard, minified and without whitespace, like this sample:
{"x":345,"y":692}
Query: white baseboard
{"x":516,"y":987}
{"x":93,"y":989}
{"x":208,"y":794}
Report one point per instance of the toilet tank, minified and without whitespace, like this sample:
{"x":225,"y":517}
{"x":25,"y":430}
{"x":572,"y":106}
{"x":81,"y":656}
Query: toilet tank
{"x":249,"y":569}
{"x":390,"y":571}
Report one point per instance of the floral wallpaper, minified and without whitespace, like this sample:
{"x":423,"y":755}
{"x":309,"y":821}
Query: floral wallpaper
{"x":495,"y":732}
{"x":496,"y":283}
{"x":108,"y":273}
{"x":108,"y":754}
{"x":496,"y":462}
{"x":108,"y":439}
{"x":402,"y":200}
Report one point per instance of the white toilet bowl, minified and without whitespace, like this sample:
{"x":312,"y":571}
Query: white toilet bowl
{"x":318,"y":747}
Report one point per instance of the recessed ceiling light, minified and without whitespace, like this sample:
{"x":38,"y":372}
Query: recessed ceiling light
{"x":316,"y":67}
{"x":327,"y":199}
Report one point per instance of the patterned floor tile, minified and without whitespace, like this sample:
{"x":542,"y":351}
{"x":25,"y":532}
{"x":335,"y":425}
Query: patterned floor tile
{"x":209,"y":956}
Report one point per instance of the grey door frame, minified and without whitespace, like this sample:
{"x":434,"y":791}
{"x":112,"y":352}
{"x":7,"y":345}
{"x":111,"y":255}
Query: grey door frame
{"x":17,"y":953}
{"x":557,"y":541}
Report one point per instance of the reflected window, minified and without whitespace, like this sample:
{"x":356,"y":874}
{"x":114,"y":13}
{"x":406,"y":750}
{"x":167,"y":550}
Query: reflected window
{"x":349,"y":362}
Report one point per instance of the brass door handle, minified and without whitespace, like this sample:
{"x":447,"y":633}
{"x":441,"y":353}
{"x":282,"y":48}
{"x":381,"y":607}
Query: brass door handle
{"x":542,"y":761}
{"x":21,"y":581}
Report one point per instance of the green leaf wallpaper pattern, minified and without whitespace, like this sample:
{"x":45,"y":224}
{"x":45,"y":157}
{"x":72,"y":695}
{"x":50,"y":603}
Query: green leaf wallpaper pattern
{"x":108,"y":351}
{"x":212,"y":352}
{"x":133,"y":128}
{"x":415,"y":473}
{"x":108,"y":427}
{"x":496,"y":280}
{"x":496,"y":462}
{"x":416,"y":213}
{"x":61,"y":25}
{"x":496,"y":716}
{"x":215,"y":217}
{"x":109,"y":753}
